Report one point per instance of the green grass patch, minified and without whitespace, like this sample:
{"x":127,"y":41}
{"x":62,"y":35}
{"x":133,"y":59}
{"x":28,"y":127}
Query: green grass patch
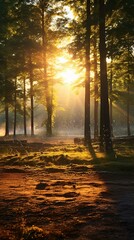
{"x":67,"y":155}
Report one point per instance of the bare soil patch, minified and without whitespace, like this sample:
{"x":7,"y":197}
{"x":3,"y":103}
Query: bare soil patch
{"x":56,"y":192}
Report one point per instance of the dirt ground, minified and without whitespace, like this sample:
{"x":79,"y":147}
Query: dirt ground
{"x":65,"y":201}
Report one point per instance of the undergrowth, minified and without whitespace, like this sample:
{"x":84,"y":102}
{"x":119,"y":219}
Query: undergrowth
{"x":54,"y":157}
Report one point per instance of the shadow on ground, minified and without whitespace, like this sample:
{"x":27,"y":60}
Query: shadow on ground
{"x":63,"y":192}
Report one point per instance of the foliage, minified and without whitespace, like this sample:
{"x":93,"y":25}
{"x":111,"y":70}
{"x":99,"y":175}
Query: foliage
{"x":21,"y":50}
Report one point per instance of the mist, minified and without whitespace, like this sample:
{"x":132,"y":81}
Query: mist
{"x":69,"y":116}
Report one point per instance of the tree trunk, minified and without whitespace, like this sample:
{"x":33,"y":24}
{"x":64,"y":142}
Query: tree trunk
{"x":6,"y":118}
{"x":105,"y":129}
{"x":24,"y":107}
{"x":87,"y":133}
{"x":6,"y":107}
{"x":95,"y":105}
{"x":31,"y":95}
{"x":111,"y":101}
{"x":95,"y":90}
{"x":128,"y":99}
{"x":128,"y":111}
{"x":15,"y":107}
{"x":47,"y":90}
{"x":49,"y":121}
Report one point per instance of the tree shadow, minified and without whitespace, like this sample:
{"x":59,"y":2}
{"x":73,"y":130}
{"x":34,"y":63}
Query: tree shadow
{"x":91,"y":150}
{"x":117,"y":173}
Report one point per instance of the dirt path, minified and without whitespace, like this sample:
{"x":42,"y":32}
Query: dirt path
{"x":66,"y":205}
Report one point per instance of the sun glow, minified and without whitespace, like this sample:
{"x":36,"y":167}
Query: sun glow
{"x":62,"y":60}
{"x":69,"y":76}
{"x":66,"y":71}
{"x":69,"y":12}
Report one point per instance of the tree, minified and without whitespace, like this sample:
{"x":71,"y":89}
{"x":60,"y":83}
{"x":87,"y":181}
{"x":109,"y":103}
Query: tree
{"x":120,"y":51}
{"x":6,"y":35}
{"x":43,"y":6}
{"x":95,"y":69}
{"x":51,"y":33}
{"x":27,"y":41}
{"x":24,"y":106}
{"x":87,"y":133}
{"x":80,"y":48}
{"x":105,"y":130}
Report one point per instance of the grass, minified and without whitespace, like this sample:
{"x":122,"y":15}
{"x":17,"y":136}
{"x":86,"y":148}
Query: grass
{"x":33,"y":232}
{"x":123,"y":161}
{"x":59,"y":156}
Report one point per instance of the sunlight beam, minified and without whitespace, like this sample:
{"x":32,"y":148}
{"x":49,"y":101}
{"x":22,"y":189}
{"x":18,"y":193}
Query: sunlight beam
{"x":69,"y":76}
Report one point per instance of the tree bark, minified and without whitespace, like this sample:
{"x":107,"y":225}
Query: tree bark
{"x":128,"y":100}
{"x":6,"y":119}
{"x":111,"y":100}
{"x":31,"y":95}
{"x":87,"y":133}
{"x":96,"y":107}
{"x":24,"y":106}
{"x":105,"y":129}
{"x":47,"y":90}
{"x":6,"y":106}
{"x":128,"y":111}
{"x":15,"y":107}
{"x":96,"y":92}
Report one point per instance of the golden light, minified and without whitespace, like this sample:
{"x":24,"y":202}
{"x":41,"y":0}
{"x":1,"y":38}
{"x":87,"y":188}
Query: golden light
{"x":2,"y":131}
{"x":92,"y":74}
{"x":69,"y":76}
{"x":108,"y":60}
{"x":65,"y":71}
{"x":62,"y":60}
{"x":69,"y":12}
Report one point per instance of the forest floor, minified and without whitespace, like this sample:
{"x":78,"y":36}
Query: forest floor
{"x":58,"y":190}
